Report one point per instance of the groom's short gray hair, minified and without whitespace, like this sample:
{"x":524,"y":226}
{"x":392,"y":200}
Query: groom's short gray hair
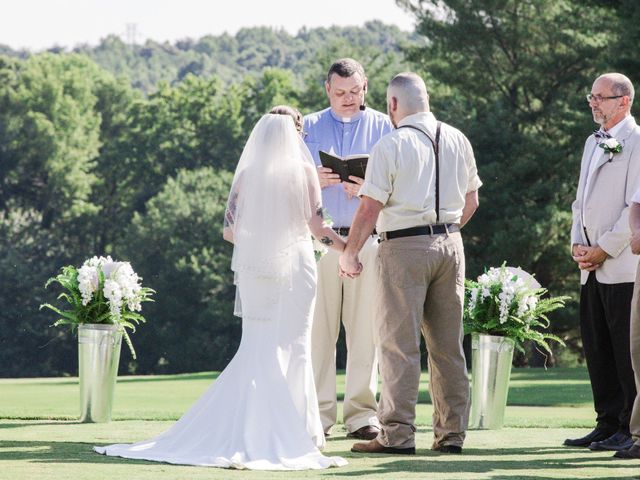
{"x":411,"y":91}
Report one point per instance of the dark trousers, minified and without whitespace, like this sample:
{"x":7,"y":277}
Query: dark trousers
{"x":605,"y":311}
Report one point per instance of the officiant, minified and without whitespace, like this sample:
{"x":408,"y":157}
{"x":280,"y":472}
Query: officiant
{"x":346,"y":127}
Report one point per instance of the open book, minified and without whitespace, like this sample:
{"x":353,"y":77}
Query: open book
{"x":355,"y":165}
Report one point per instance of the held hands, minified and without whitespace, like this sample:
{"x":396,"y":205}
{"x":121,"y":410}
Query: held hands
{"x":352,"y":189}
{"x":349,"y":265}
{"x":327,"y":177}
{"x":588,"y":258}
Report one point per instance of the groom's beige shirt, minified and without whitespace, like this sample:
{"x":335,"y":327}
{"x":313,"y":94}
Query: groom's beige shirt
{"x":601,"y":208}
{"x":401,"y":174}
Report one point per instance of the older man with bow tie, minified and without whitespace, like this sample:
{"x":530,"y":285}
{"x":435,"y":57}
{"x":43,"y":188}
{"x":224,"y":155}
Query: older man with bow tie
{"x":609,"y":176}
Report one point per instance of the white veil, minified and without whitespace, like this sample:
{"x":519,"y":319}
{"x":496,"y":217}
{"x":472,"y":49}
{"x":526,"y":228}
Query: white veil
{"x":270,"y":202}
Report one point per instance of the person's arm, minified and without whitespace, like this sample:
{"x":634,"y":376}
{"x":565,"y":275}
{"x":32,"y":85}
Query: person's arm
{"x":616,"y":239}
{"x":471,"y":204}
{"x":323,"y":232}
{"x":227,"y":234}
{"x":230,"y":213}
{"x":374,"y":194}
{"x":319,"y":229}
{"x":634,"y":225}
{"x":361,"y":228}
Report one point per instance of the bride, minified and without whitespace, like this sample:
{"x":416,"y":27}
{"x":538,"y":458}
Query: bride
{"x":262,"y":411}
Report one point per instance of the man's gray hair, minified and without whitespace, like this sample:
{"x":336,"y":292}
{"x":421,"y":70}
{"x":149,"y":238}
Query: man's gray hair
{"x":620,"y":85}
{"x":411,"y":91}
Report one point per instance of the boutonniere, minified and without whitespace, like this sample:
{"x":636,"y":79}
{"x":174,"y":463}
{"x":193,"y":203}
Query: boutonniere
{"x":611,"y":146}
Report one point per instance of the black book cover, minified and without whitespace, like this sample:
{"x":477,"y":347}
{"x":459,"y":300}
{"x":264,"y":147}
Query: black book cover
{"x":355,"y":165}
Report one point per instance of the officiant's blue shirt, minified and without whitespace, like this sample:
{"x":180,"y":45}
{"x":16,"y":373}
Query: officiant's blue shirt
{"x":328,"y":132}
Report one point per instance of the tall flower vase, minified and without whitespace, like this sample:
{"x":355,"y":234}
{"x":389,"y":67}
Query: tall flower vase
{"x":491,"y":358}
{"x":98,"y":359}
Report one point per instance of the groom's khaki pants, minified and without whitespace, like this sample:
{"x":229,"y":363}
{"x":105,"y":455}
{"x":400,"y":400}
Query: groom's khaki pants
{"x":634,"y":422}
{"x":421,"y":288}
{"x":349,"y":301}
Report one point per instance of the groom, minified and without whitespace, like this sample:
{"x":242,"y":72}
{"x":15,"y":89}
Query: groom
{"x":421,"y":208}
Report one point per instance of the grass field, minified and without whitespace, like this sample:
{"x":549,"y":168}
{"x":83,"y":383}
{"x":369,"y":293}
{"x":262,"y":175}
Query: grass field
{"x":40,"y":439}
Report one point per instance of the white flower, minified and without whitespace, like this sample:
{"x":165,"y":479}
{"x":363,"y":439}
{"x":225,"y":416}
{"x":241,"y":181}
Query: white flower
{"x":97,"y":261}
{"x":87,"y":282}
{"x":473,"y":298}
{"x":121,"y":285}
{"x":113,"y":293}
{"x":611,"y":146}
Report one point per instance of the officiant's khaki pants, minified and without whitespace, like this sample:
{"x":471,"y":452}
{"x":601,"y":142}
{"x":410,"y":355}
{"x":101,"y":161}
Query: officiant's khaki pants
{"x":349,"y":301}
{"x":634,"y":422}
{"x":421,"y":288}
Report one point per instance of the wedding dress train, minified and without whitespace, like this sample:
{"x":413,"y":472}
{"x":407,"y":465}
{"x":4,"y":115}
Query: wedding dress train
{"x":262,"y":411}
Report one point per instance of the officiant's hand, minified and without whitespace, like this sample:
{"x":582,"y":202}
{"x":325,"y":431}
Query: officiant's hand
{"x":349,"y":266}
{"x":352,"y":189}
{"x":327,"y":177}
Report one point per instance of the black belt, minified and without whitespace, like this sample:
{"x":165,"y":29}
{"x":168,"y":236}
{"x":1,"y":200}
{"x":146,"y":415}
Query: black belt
{"x":434,"y":229}
{"x":344,"y":231}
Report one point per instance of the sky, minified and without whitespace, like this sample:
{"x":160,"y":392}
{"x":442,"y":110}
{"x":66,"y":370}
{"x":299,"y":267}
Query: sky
{"x":41,"y":24}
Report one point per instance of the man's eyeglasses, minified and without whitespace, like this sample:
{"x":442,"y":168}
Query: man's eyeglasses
{"x":599,"y":98}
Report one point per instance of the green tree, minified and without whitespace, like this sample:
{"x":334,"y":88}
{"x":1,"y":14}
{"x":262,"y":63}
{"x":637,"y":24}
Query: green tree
{"x":49,"y":142}
{"x":176,"y":245}
{"x":50,"y":135}
{"x":273,"y":87}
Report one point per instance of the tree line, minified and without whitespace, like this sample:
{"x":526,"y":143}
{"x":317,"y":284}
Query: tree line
{"x":117,"y":150}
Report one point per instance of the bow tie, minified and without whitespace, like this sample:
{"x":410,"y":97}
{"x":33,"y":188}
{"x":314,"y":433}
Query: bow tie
{"x":600,"y":135}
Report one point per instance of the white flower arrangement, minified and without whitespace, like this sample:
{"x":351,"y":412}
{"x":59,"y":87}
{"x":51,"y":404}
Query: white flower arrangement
{"x":121,"y":284}
{"x":611,"y":146}
{"x":509,"y":302}
{"x":101,"y":291}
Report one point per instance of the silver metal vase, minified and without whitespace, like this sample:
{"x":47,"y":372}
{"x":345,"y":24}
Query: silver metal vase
{"x":98,"y":359}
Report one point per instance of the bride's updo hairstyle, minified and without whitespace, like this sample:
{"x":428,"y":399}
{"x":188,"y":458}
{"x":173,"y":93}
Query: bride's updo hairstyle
{"x":292,"y":112}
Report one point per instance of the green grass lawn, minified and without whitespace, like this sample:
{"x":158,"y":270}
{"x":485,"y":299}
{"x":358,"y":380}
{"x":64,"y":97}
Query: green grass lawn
{"x":40,"y":438}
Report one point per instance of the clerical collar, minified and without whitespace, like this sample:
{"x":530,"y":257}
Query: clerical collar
{"x":338,"y":118}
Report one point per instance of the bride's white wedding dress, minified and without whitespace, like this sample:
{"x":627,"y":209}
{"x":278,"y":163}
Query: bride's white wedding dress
{"x":262,"y":411}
